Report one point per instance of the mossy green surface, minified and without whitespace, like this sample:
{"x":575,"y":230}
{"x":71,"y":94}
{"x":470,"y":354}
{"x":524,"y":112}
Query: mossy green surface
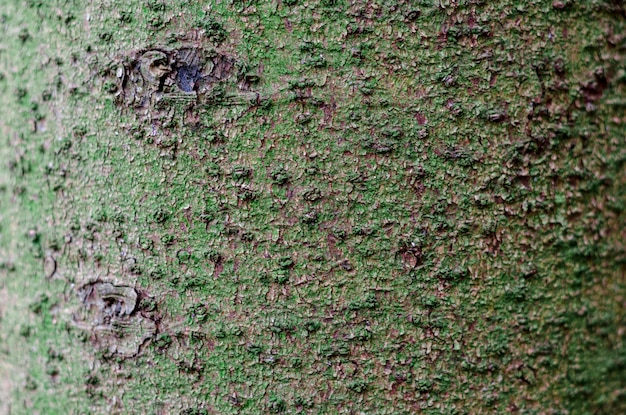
{"x":387,"y":208}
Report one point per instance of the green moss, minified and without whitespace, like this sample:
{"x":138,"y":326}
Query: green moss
{"x":416,"y":203}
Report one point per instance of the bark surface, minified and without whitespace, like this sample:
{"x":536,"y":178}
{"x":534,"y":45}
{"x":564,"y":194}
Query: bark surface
{"x":333,"y":206}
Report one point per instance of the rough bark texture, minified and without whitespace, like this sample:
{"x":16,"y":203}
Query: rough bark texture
{"x":333,"y":206}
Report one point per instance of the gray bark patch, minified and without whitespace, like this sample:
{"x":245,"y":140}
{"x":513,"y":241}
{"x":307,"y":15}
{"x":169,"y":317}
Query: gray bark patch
{"x":187,"y":77}
{"x":108,"y":312}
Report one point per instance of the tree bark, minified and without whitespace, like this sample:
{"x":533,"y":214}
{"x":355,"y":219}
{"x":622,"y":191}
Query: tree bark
{"x":312,"y":207}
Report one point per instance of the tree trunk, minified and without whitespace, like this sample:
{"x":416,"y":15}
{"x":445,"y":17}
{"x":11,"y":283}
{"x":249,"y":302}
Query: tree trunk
{"x":312,"y":207}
